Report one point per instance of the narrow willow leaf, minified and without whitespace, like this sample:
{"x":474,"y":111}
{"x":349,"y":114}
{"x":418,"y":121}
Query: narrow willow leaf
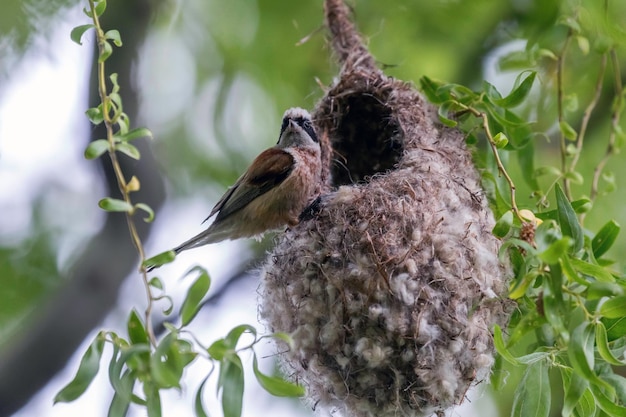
{"x":94,"y":114}
{"x":275,"y":385}
{"x":120,"y":403}
{"x":604,"y":239}
{"x":568,"y":220}
{"x":581,"y":354}
{"x":192,"y":302}
{"x":533,"y":394}
{"x":526,"y":160}
{"x":163,"y":373}
{"x":156,"y":282}
{"x":614,"y":308}
{"x":607,"y":404}
{"x":147,"y":209}
{"x":101,"y":6}
{"x":503,"y":225}
{"x":233,"y":336}
{"x":106,"y":52}
{"x":444,"y":111}
{"x":518,"y":95}
{"x":136,"y":330}
{"x":500,"y":140}
{"x":113,"y":204}
{"x":160,"y":259}
{"x":596,"y":271}
{"x":153,"y":400}
{"x":430,"y":88}
{"x":140,"y":132}
{"x":232,"y":385}
{"x":197,"y":404}
{"x":575,"y":386}
{"x":500,"y":346}
{"x":615,"y":328}
{"x":87,"y":371}
{"x":77,"y":33}
{"x":604,"y":289}
{"x":128,"y":149}
{"x":556,"y":251}
{"x":567,"y":130}
{"x":114,"y":35}
{"x":604,"y":350}
{"x":96,"y":148}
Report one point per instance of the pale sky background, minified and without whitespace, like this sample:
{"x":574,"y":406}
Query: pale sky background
{"x":42,"y":137}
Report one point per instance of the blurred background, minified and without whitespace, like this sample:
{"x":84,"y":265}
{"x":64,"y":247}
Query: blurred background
{"x":211,"y":80}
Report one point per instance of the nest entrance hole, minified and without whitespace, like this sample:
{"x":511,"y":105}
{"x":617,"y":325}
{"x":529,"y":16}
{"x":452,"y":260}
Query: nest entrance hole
{"x":367,"y":140}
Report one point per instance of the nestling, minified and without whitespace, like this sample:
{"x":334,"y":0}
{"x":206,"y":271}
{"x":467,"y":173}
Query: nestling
{"x":275,"y":189}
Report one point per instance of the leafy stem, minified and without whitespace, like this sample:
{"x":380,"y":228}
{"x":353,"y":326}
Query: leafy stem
{"x":111,"y":115}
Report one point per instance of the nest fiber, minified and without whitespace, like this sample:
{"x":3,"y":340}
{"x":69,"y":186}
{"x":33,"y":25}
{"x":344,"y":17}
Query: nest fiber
{"x":391,"y":285}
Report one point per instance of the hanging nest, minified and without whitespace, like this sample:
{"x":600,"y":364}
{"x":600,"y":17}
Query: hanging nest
{"x":391,"y":283}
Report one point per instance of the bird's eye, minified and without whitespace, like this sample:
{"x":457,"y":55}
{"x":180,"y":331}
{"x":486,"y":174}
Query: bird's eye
{"x":308,"y":128}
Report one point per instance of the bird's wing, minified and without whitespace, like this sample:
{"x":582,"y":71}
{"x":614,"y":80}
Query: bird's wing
{"x":268,"y":170}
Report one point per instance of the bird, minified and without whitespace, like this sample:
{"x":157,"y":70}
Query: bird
{"x":272,"y":193}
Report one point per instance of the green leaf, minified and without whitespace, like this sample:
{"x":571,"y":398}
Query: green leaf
{"x":120,"y":402}
{"x":94,"y":114}
{"x":192,"y":303}
{"x":163,"y":369}
{"x":503,"y":225}
{"x":137,"y":133}
{"x":604,"y":239}
{"x":598,"y":290}
{"x":105,"y":52}
{"x":602,"y":343}
{"x":136,"y":330}
{"x":614,"y":308}
{"x":153,"y":400}
{"x":500,"y":140}
{"x":532,"y":396}
{"x":232,"y":338}
{"x":128,"y":149}
{"x":444,"y":110}
{"x":607,"y":404}
{"x":570,"y":272}
{"x":526,"y":159}
{"x":160,"y":259}
{"x":592,"y":270}
{"x":78,"y":31}
{"x":568,"y":220}
{"x":567,"y":130}
{"x":430,"y":89}
{"x":113,"y":204}
{"x":96,"y":148}
{"x":275,"y":385}
{"x":615,"y":328}
{"x":197,"y":404}
{"x":147,"y":209}
{"x":518,"y":94}
{"x":232,"y":384}
{"x":500,"y":346}
{"x":556,"y":251}
{"x":87,"y":371}
{"x":101,"y":6}
{"x":581,"y":354}
{"x":575,"y":388}
{"x":114,"y":35}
